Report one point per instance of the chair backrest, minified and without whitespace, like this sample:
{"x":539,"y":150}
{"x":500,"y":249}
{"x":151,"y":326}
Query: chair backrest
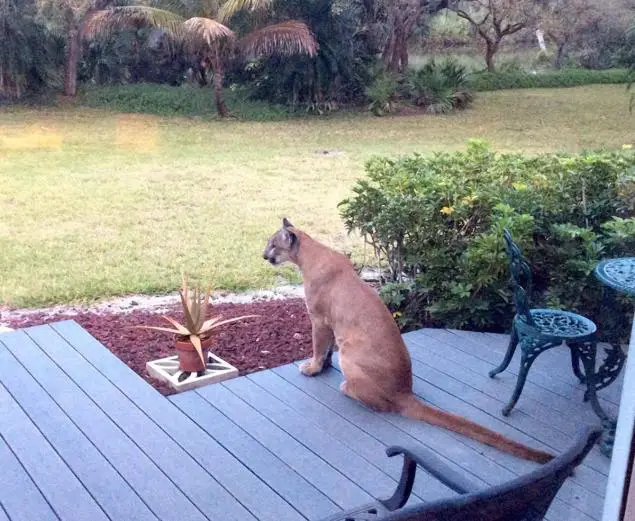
{"x":526,"y":498}
{"x":520,"y":279}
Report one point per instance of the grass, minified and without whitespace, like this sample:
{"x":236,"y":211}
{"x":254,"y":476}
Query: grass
{"x":95,"y":203}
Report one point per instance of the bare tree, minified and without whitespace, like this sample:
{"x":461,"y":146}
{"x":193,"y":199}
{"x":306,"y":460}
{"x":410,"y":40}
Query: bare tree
{"x":401,"y":19}
{"x":493,"y":20}
{"x":565,"y":21}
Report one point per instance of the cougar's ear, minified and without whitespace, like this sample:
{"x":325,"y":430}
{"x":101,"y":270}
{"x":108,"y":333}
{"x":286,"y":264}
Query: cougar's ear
{"x":286,"y":223}
{"x":292,"y":238}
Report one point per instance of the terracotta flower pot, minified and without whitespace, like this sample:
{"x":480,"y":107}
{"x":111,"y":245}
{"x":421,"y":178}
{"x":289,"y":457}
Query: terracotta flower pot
{"x":189,"y":359}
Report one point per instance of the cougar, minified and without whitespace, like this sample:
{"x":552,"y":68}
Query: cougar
{"x":348,"y":316}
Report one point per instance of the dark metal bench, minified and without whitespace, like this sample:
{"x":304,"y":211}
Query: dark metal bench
{"x":526,"y":498}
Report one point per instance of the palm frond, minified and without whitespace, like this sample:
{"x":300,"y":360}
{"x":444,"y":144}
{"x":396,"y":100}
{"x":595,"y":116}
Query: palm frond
{"x":286,"y":38}
{"x":205,"y":30}
{"x":231,"y":7}
{"x":108,"y":21}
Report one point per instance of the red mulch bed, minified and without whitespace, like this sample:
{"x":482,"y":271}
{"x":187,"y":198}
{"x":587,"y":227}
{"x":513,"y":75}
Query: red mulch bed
{"x":281,"y":335}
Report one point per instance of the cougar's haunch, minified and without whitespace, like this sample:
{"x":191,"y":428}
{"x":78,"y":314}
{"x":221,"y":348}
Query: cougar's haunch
{"x":347,"y":315}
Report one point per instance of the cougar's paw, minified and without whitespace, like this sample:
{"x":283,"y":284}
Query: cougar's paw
{"x":308,"y":368}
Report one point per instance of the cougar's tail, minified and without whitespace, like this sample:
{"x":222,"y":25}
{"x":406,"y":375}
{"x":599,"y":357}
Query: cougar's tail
{"x":413,"y":408}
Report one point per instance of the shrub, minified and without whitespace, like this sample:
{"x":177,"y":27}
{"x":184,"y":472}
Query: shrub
{"x":382,"y":94}
{"x":440,"y":88}
{"x":486,"y":81}
{"x":163,"y":100}
{"x":438,"y":221}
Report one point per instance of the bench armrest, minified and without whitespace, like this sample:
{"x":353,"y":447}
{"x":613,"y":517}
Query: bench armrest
{"x":431,"y":463}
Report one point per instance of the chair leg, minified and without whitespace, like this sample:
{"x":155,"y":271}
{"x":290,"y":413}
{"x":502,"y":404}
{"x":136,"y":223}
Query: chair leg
{"x":511,"y":349}
{"x":575,"y":364}
{"x":530,"y":349}
{"x":587,"y":352}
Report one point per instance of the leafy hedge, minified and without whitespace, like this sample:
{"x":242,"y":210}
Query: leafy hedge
{"x":486,"y":81}
{"x":438,"y":221}
{"x":164,"y":100}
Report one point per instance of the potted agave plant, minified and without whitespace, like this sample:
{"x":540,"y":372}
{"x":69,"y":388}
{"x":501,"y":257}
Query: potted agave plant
{"x":194,"y":335}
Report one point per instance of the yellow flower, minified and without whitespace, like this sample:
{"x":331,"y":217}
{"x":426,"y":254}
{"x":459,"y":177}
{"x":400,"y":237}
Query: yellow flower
{"x":627,"y":146}
{"x":520,"y":186}
{"x":469,"y":199}
{"x":447,"y":210}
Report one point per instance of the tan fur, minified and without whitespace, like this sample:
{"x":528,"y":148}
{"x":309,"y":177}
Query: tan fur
{"x":347,"y":315}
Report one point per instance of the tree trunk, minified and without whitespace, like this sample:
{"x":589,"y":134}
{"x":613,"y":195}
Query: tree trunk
{"x":491,"y":47}
{"x":560,"y":54}
{"x":219,"y":76}
{"x":73,"y":54}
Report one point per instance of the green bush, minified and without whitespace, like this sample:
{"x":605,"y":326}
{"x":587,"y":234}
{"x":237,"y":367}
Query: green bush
{"x":438,"y":222}
{"x":486,"y":81}
{"x":163,"y":100}
{"x":440,"y":88}
{"x":381,"y":93}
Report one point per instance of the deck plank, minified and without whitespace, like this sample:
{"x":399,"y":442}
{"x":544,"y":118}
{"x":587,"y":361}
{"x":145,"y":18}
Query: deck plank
{"x":307,"y":499}
{"x":19,"y":490}
{"x":333,"y":483}
{"x":473,"y":343}
{"x":61,"y":488}
{"x":611,"y":393}
{"x":346,"y":432}
{"x":386,"y":427}
{"x":117,"y":498}
{"x":571,"y":495}
{"x":167,"y":501}
{"x":367,"y":476}
{"x":538,"y":403}
{"x":216,"y":481}
{"x":273,"y":445}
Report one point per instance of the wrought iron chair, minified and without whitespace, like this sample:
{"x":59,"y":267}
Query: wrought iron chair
{"x":537,"y":330}
{"x":526,"y":498}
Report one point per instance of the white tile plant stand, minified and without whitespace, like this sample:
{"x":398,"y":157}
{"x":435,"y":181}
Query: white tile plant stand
{"x":167,"y":370}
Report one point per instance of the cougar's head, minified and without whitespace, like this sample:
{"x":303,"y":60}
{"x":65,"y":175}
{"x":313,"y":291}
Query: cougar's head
{"x":282,"y":244}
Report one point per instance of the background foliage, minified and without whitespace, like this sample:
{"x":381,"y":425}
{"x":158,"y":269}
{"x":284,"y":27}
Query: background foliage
{"x":438,"y":223}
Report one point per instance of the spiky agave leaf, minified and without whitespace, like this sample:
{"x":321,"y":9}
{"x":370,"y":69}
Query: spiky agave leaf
{"x":231,"y":7}
{"x":213,"y":325}
{"x":158,"y":328}
{"x":182,"y":329}
{"x":187,"y":312}
{"x":286,"y":39}
{"x":206,"y":31}
{"x":106,"y":22}
{"x":196,"y":342}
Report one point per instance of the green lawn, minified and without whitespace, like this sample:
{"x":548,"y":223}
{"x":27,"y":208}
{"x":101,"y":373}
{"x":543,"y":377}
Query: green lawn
{"x":97,"y":204}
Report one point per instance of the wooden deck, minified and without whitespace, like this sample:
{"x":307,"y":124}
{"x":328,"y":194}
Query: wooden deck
{"x":83,"y":438}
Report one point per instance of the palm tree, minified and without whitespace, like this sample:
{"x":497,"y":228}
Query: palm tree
{"x":201,"y":33}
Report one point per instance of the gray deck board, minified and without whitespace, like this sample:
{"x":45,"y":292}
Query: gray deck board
{"x":167,"y":501}
{"x":19,"y":495}
{"x":309,"y":501}
{"x":62,"y":489}
{"x":84,"y":437}
{"x":197,"y":470}
{"x":562,"y":508}
{"x":313,"y":468}
{"x":118,"y":499}
{"x":372,"y":449}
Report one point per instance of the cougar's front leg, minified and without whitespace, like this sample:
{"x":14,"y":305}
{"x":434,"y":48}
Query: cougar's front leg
{"x":322,"y":341}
